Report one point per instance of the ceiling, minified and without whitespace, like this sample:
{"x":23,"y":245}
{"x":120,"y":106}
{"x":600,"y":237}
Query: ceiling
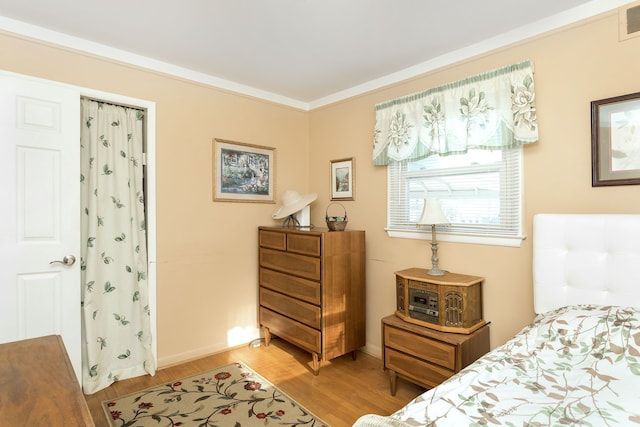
{"x":303,"y":53}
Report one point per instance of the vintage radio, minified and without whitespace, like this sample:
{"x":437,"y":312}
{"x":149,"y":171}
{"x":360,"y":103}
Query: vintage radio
{"x":448,"y":303}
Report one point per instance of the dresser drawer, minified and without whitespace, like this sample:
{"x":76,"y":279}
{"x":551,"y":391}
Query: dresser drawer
{"x":290,"y":330}
{"x":304,"y":312}
{"x":304,"y":244}
{"x":437,"y":352}
{"x":295,"y":264}
{"x":294,"y":286}
{"x":415,"y":369}
{"x":272,"y":239}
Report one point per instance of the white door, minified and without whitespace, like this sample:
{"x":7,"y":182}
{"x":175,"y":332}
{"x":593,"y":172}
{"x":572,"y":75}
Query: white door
{"x":40,"y":212}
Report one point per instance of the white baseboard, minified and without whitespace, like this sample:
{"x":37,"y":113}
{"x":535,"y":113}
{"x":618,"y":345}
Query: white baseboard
{"x":372,"y":350}
{"x":197,"y":353}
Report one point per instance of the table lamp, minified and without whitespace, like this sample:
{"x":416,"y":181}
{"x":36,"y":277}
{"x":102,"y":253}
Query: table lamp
{"x":432,"y":215}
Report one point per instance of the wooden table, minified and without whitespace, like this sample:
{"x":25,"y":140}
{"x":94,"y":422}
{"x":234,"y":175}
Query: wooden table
{"x":38,"y":386}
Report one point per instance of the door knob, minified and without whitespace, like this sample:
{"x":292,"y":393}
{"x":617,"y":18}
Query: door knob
{"x":68,"y":260}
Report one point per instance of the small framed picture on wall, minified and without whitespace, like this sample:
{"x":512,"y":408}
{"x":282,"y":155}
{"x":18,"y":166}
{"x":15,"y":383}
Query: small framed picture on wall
{"x":343,"y":179}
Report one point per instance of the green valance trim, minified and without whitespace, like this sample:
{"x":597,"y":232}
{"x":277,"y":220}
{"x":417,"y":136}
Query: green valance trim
{"x":492,"y":110}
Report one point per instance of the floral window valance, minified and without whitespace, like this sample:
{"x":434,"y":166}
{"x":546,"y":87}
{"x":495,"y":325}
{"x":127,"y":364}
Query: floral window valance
{"x":493,"y":110}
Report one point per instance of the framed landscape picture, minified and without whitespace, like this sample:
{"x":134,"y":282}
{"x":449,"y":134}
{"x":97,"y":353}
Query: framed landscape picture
{"x":243,"y":172}
{"x":615,"y":140}
{"x":343,"y":179}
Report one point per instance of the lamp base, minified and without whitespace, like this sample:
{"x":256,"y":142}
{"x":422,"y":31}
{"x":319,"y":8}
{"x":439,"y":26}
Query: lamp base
{"x":436,"y":272}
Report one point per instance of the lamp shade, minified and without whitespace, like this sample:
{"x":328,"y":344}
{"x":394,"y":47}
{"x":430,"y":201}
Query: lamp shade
{"x":432,"y":213}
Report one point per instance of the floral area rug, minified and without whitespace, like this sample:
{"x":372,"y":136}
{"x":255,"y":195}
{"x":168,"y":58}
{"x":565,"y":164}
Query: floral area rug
{"x":232,"y":395}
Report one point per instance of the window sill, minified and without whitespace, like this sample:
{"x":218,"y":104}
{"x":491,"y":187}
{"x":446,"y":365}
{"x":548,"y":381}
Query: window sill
{"x":514,"y":242}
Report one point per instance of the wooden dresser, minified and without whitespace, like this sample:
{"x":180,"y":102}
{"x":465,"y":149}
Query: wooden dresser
{"x":312,"y":289}
{"x":38,"y":386}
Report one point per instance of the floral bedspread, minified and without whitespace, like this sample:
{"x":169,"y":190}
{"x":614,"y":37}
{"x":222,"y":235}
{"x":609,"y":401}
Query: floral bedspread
{"x":578,"y":365}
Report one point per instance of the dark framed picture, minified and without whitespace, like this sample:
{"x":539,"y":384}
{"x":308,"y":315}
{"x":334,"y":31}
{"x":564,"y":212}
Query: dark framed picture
{"x":615,"y":141}
{"x":243,"y":172}
{"x":343,"y":179}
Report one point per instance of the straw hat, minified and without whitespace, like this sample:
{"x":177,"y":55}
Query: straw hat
{"x":292,"y":202}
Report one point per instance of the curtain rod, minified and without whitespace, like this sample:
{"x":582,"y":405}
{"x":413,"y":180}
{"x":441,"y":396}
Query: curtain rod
{"x":102,"y":101}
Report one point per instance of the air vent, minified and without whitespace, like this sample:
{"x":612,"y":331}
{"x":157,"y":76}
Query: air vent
{"x":629,"y":17}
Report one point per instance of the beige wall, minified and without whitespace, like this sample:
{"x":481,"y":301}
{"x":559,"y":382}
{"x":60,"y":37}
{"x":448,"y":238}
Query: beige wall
{"x":206,"y":251}
{"x":207,"y":254}
{"x":572,"y":67}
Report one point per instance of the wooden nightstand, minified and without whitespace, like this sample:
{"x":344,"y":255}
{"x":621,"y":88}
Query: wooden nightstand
{"x":426,"y":356}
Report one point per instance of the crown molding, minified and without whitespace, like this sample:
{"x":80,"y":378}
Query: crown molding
{"x":554,"y":22}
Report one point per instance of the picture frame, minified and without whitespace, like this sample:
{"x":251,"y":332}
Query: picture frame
{"x":243,"y":172}
{"x":615,"y":141}
{"x":343,"y":179}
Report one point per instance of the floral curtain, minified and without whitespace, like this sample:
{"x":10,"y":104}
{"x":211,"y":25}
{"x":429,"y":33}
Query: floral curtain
{"x":116,"y":322}
{"x":493,"y":110}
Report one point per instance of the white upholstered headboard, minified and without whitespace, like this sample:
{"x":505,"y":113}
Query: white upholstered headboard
{"x":585,"y":259}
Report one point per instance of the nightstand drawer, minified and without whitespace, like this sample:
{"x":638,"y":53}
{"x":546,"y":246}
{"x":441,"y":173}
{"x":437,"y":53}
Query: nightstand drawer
{"x":436,"y":352}
{"x":304,"y":312}
{"x":414,"y":369}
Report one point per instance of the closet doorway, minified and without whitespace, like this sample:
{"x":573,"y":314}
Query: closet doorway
{"x":40,"y":214}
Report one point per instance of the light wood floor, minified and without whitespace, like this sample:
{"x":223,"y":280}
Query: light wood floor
{"x":344,"y":390}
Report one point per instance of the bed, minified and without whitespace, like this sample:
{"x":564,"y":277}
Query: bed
{"x":578,"y":361}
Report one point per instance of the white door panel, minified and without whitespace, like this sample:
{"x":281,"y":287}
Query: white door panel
{"x":38,"y":305}
{"x":38,"y":194}
{"x":40,"y":213}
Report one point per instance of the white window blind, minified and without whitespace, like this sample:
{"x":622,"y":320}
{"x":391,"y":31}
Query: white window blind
{"x":480,"y":192}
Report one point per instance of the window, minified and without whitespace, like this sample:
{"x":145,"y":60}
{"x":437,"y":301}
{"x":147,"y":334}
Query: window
{"x":480,"y":193}
{"x":461,"y":143}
